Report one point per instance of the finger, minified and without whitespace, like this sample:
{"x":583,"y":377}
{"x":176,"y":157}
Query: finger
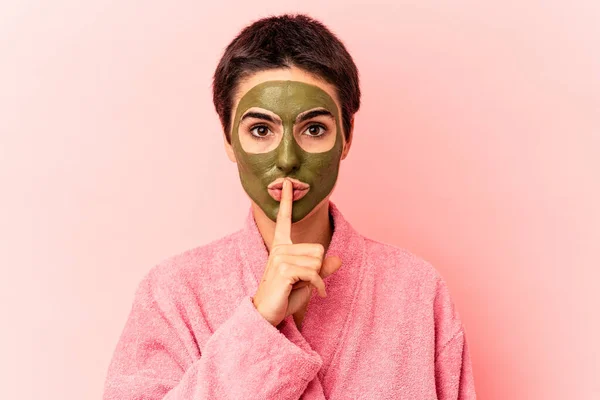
{"x":283,"y":225}
{"x":300,"y":285}
{"x":293,"y":273}
{"x":302,"y":249}
{"x":298,"y":298}
{"x":329,"y":267}
{"x":302,"y":261}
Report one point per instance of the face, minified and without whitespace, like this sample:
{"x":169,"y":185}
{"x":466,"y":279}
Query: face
{"x":287,"y":128}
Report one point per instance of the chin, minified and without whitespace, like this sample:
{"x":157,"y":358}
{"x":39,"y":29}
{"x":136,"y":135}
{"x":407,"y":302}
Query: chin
{"x":270,"y":207}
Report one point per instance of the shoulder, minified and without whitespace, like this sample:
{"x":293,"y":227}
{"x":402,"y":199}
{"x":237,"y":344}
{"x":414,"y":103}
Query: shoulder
{"x":411,"y":274}
{"x":401,"y":265}
{"x":418,"y":284}
{"x":195,"y":264}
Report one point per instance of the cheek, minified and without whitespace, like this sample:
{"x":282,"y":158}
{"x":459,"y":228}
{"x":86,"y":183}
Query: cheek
{"x":323,"y":166}
{"x":252,"y":165}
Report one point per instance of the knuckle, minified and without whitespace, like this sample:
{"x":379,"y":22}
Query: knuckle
{"x":315,"y":263}
{"x":277,"y":259}
{"x":319,"y":250}
{"x":284,"y":268}
{"x":276,"y":249}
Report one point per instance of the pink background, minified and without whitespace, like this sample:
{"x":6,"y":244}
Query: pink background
{"x":477,"y":147}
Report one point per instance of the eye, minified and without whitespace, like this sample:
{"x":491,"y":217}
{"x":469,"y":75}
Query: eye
{"x":316,"y":130}
{"x":260,"y":131}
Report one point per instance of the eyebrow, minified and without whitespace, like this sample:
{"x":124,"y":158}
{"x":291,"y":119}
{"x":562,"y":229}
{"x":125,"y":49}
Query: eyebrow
{"x":301,"y":118}
{"x":259,"y":115}
{"x":312,"y":114}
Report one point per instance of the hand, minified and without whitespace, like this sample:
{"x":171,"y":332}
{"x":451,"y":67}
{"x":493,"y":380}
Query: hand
{"x":292,"y":270}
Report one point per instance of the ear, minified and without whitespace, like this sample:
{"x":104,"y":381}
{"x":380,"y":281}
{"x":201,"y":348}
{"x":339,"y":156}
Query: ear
{"x":348,"y":142}
{"x":229,"y":149}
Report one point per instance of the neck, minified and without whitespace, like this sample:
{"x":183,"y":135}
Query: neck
{"x":316,"y":227}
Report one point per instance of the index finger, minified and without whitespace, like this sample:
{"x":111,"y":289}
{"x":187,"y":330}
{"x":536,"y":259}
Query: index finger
{"x":283,"y":225}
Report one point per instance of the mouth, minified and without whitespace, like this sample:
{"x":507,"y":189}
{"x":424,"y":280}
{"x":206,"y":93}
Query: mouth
{"x":299,"y":188}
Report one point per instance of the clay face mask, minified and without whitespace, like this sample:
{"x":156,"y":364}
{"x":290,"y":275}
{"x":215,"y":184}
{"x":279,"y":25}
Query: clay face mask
{"x":287,"y":129}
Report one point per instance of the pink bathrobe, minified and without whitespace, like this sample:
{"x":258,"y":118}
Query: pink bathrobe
{"x":387,"y":329}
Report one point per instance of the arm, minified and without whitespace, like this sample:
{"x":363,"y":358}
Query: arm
{"x":246,"y":357}
{"x":453,"y":372}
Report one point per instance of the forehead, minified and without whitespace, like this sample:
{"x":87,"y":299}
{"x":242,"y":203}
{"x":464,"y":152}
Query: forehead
{"x":286,"y":98}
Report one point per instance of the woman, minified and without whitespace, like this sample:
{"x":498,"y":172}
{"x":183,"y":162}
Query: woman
{"x":238,"y":318}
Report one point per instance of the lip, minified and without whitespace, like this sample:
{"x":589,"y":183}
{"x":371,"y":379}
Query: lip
{"x":278,"y":184}
{"x":300,"y":188}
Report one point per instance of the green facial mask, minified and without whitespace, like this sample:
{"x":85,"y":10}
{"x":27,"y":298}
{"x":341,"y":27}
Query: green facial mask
{"x":287,"y":99}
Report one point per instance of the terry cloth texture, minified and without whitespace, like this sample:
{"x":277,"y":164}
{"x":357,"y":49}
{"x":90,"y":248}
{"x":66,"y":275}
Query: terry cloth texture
{"x":388,"y":328}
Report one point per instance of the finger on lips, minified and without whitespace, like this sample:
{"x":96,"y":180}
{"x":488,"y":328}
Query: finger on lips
{"x":283,"y":225}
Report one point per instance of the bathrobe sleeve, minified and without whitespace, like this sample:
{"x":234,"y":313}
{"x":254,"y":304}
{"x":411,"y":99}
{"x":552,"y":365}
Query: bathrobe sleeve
{"x":453,"y":372}
{"x":244,"y":358}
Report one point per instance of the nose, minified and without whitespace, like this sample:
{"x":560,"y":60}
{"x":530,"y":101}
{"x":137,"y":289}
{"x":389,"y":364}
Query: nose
{"x":288,"y":159}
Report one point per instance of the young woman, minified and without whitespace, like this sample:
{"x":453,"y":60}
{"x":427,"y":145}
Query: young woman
{"x":238,"y":318}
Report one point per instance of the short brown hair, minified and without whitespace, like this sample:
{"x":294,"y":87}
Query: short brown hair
{"x":285,"y":41}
